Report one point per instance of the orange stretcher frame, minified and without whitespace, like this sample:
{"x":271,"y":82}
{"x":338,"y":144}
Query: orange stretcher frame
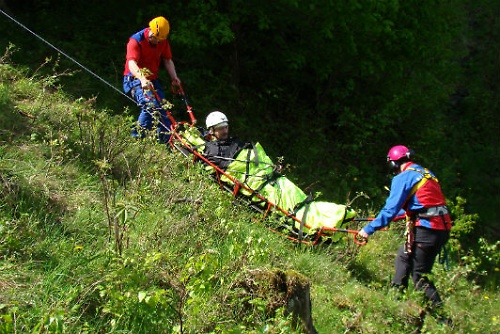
{"x":177,"y":142}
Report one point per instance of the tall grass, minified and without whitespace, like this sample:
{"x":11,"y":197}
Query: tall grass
{"x":102,"y":233}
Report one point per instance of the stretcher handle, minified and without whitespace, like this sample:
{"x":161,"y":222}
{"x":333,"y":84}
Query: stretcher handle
{"x":369,"y":219}
{"x":178,"y":90}
{"x":357,"y":239}
{"x":157,"y":97}
{"x":360,"y":240}
{"x":169,"y":114}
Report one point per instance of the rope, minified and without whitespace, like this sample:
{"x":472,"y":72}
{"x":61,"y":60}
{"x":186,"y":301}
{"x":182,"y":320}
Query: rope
{"x":67,"y":56}
{"x":82,"y":66}
{"x":238,"y":160}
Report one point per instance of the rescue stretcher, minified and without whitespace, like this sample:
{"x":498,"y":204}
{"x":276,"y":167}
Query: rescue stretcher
{"x":303,"y":219}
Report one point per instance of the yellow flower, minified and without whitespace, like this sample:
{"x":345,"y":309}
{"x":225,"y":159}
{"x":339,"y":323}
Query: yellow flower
{"x":486,"y":297}
{"x":77,"y":248}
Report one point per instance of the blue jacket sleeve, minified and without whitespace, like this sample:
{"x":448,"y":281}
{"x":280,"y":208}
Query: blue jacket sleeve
{"x":400,"y":190}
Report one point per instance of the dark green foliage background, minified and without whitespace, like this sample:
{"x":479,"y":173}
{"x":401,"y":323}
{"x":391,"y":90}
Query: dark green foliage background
{"x":330,"y":85}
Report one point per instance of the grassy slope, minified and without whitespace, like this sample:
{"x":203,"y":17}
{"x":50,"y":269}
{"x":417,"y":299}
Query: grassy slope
{"x":100,"y":233}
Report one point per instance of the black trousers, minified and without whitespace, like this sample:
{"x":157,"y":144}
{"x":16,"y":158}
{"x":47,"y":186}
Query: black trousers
{"x":426,"y":246}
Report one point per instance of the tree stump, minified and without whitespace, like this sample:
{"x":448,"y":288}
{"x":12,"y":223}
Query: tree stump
{"x":278,"y":289}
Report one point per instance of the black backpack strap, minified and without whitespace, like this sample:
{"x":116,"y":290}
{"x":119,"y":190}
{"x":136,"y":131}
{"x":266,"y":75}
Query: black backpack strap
{"x":299,"y":206}
{"x":303,"y":221}
{"x":251,"y":148}
{"x":269,"y":178}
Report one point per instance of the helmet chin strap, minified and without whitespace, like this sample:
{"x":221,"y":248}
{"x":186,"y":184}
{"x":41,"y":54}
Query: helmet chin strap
{"x":395,"y":166}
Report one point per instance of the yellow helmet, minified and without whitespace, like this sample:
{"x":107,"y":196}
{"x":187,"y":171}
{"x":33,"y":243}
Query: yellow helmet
{"x":159,"y":27}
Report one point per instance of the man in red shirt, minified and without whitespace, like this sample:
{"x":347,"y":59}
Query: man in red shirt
{"x":146,"y":50}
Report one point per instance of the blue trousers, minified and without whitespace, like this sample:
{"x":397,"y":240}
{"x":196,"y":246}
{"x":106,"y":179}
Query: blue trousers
{"x":150,"y":107}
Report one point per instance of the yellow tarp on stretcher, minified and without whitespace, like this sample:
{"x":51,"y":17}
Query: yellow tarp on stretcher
{"x":253,"y":168}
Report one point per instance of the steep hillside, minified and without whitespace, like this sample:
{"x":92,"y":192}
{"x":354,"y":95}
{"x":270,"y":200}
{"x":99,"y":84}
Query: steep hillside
{"x":100,"y":233}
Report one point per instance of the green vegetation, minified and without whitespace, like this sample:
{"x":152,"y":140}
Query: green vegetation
{"x":342,"y":81}
{"x":100,"y":233}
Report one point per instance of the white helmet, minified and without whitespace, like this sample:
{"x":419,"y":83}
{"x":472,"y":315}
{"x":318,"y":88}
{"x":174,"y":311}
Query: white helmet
{"x":216,"y":119}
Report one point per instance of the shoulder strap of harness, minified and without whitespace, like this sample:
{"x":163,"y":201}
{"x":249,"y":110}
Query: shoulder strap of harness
{"x":426,"y":175}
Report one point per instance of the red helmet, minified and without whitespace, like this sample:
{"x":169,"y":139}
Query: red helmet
{"x":398,"y":152}
{"x":397,"y":155}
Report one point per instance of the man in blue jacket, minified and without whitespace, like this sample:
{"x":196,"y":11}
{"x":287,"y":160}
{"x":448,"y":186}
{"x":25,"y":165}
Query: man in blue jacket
{"x":416,"y":190}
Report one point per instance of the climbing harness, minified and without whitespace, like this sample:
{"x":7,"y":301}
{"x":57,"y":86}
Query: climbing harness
{"x":435,"y":211}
